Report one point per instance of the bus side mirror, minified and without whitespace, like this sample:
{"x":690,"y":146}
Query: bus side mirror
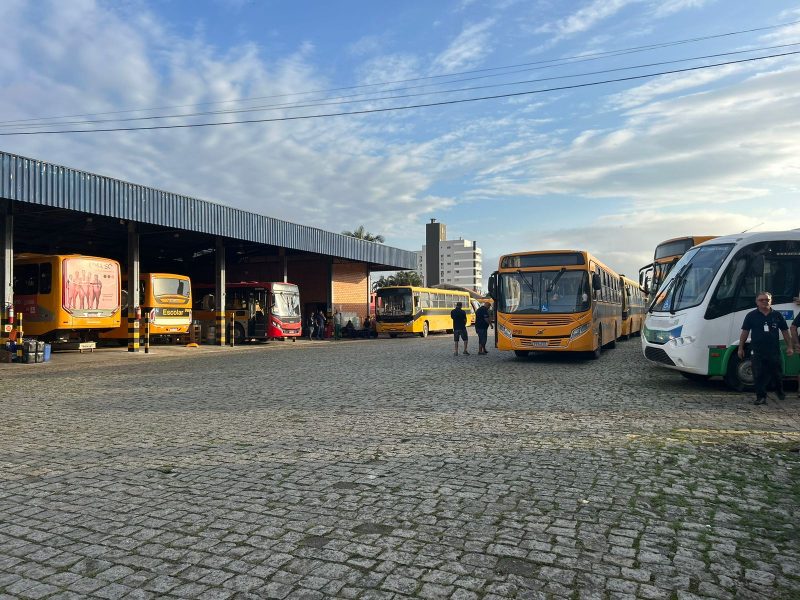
{"x":493,"y":286}
{"x":597,"y":285}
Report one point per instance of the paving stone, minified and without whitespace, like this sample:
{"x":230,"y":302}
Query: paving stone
{"x":614,"y":479}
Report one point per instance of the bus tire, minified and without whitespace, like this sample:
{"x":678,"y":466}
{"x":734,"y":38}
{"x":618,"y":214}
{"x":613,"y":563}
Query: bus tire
{"x":238,"y":334}
{"x":392,"y":335}
{"x":739,"y":375}
{"x":425,"y":330}
{"x":521,"y":353}
{"x":613,"y":343}
{"x":595,"y":354}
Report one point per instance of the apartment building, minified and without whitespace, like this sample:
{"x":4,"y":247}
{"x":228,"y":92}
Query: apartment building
{"x":457,"y":262}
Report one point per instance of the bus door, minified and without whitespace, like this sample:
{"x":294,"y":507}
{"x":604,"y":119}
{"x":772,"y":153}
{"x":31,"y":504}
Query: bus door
{"x":257,"y":322}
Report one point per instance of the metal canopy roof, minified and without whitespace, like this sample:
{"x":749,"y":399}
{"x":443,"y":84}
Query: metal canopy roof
{"x":35,"y":182}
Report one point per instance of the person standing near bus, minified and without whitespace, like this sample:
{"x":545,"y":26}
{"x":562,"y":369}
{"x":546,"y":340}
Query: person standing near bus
{"x":459,"y":326}
{"x":763,"y":324}
{"x":796,"y":342}
{"x":337,"y":325}
{"x":482,"y":324}
{"x":320,"y":323}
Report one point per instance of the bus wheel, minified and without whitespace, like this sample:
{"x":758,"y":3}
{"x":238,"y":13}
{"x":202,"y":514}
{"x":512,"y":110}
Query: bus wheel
{"x":238,"y":334}
{"x":595,"y":354}
{"x":521,"y":353}
{"x":739,"y":376}
{"x":392,"y":335}
{"x":613,"y":342}
{"x":425,"y":330}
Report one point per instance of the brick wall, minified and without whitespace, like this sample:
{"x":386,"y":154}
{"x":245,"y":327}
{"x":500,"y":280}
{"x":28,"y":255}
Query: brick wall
{"x":351,"y":288}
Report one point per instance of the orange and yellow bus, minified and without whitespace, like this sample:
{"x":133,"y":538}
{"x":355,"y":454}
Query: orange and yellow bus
{"x":634,"y":307}
{"x":66,"y":297}
{"x":667,"y":253}
{"x":418,"y":310}
{"x":555,"y":301}
{"x":167,"y":298}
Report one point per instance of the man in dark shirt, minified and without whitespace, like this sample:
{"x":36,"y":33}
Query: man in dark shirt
{"x":763,"y":324}
{"x":459,"y":326}
{"x":482,"y":323}
{"x":796,"y":340}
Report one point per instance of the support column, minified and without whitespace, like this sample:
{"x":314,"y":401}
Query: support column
{"x":219,"y":293}
{"x":6,"y":257}
{"x":282,"y":254}
{"x":134,"y":302}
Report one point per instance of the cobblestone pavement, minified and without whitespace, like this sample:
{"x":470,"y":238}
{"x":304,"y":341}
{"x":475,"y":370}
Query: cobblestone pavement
{"x":390,"y":469}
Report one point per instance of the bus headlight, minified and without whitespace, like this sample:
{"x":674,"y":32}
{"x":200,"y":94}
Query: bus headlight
{"x":579,"y":331}
{"x":409,"y":324}
{"x":661,"y":336}
{"x":505,"y":330}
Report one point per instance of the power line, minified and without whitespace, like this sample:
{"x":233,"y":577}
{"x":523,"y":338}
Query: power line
{"x":346,"y":100}
{"x":541,"y":64}
{"x":398,"y":108}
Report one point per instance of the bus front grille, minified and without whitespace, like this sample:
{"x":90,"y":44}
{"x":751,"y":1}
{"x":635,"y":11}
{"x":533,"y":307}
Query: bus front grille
{"x":543,"y":321}
{"x":658,"y":355}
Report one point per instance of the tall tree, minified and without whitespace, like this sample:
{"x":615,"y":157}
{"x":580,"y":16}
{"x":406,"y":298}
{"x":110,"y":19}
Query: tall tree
{"x":362,"y":234}
{"x":399,"y":278}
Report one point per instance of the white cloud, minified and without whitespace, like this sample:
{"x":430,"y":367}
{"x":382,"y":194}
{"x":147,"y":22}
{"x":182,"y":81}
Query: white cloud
{"x":331,"y":173}
{"x":735,"y":142}
{"x":585,"y":18}
{"x":467,"y":50}
{"x":667,"y":7}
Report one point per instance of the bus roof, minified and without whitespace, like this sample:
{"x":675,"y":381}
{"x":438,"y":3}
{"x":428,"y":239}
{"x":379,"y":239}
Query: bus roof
{"x":758,"y":236}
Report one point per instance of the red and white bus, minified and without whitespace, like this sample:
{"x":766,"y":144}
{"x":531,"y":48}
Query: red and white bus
{"x":262,"y":310}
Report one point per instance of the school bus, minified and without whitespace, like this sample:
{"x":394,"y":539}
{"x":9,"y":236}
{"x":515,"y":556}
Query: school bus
{"x":667,"y":253}
{"x":66,"y":297}
{"x":555,"y":301}
{"x":418,"y":310}
{"x":167,"y":297}
{"x":633,"y":307}
{"x":262,"y":310}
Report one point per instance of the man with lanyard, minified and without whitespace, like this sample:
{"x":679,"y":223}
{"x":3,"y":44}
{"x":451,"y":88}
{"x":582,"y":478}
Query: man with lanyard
{"x":763,"y":325}
{"x":459,"y":326}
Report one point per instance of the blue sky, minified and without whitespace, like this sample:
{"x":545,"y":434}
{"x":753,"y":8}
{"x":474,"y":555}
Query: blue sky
{"x":613,"y":168}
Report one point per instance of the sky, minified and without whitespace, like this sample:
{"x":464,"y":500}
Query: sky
{"x":550,"y":124}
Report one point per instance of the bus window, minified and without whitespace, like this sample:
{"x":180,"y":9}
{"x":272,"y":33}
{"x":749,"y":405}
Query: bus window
{"x":45,"y":278}
{"x":26,"y":278}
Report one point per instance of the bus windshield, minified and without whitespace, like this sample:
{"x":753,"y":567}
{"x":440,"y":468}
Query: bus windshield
{"x":544,"y":292}
{"x":394,"y":303}
{"x":689,"y":280}
{"x":170,"y":286}
{"x":286,"y":304}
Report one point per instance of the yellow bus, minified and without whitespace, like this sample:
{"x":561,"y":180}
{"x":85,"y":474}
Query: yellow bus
{"x":66,"y":297}
{"x":634,"y":307}
{"x":409,"y":309}
{"x":167,"y":298}
{"x":555,"y":301}
{"x":664,"y":258}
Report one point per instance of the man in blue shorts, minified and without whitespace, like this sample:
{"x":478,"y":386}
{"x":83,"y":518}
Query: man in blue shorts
{"x":459,"y":326}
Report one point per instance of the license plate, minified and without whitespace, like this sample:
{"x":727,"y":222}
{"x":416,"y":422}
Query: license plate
{"x":539,"y":344}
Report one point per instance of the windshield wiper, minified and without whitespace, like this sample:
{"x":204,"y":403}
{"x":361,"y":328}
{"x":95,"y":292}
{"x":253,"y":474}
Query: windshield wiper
{"x":528,"y":283}
{"x":553,"y":283}
{"x":678,"y":283}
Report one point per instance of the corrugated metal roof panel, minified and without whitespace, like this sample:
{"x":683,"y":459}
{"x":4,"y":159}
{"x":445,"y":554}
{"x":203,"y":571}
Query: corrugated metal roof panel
{"x":36,"y":182}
